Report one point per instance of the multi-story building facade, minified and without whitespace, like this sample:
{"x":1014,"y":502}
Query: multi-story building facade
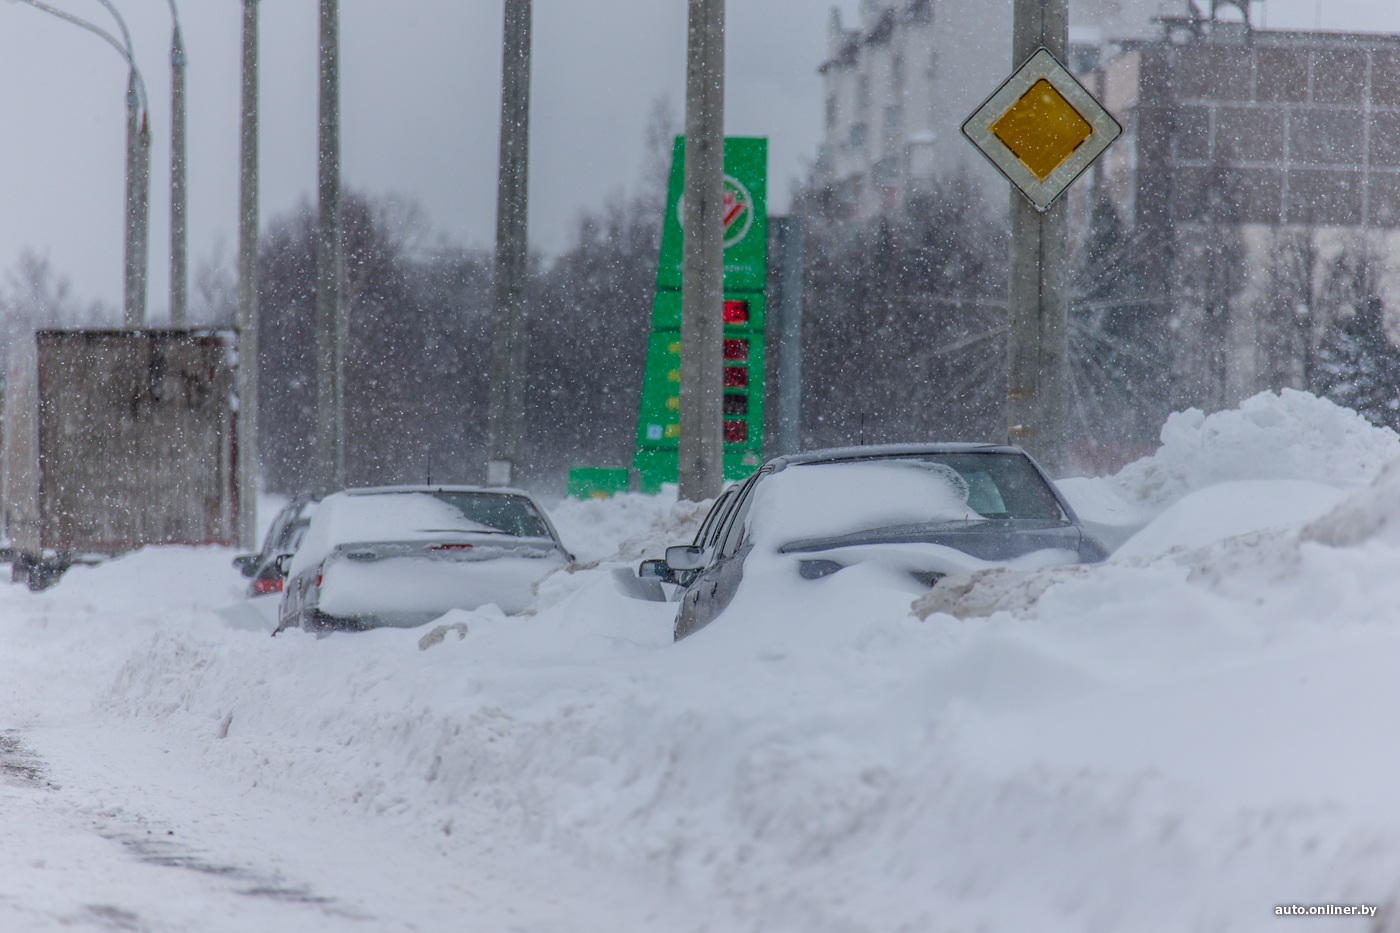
{"x":1244,"y":150}
{"x":900,"y":83}
{"x":1241,"y":146}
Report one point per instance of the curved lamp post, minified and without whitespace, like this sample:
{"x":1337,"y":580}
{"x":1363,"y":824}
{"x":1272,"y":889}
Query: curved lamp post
{"x":138,"y":162}
{"x":179,"y":252}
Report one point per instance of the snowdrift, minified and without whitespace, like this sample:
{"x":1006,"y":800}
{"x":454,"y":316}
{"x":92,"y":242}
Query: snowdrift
{"x":1179,"y":739}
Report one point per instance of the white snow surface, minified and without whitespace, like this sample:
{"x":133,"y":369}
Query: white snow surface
{"x":1179,"y":739}
{"x":1292,"y":436}
{"x":1289,"y":435}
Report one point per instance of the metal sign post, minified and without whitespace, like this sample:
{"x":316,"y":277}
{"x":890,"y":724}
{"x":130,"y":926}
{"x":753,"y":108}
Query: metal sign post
{"x":1041,"y":129}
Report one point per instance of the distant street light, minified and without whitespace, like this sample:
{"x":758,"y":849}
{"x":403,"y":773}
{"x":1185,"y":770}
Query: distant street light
{"x":179,"y":253}
{"x":138,"y":162}
{"x":248,"y":285}
{"x":507,"y":407}
{"x":330,"y":418}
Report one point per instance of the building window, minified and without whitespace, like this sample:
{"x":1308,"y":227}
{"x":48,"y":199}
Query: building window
{"x":863,"y":92}
{"x":894,"y":121}
{"x":921,"y":160}
{"x":831,"y":111}
{"x":897,"y":71}
{"x":886,"y":172}
{"x":857,"y":135}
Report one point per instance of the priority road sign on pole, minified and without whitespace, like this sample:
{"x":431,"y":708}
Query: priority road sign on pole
{"x":1041,"y":129}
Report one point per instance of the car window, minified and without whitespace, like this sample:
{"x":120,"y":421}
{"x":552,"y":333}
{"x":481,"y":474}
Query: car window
{"x":705,"y":536}
{"x":277,"y":532}
{"x":515,"y":515}
{"x":295,"y":533}
{"x":731,"y":535}
{"x":1003,"y":485}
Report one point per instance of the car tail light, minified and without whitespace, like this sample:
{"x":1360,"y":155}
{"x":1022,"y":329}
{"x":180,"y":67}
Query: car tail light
{"x":318,"y":581}
{"x":265,"y":585}
{"x":449,"y":547}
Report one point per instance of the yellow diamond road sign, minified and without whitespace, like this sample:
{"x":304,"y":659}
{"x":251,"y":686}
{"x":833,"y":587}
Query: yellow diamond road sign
{"x":1041,"y":129}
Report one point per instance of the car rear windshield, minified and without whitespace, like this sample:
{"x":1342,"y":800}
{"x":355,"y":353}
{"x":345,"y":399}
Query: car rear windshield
{"x":512,"y":514}
{"x":410,"y":514}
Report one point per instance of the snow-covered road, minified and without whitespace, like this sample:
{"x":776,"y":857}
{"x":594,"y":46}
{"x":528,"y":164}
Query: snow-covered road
{"x":1180,"y":739}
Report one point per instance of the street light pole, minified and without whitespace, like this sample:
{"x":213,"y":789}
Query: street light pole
{"x":138,"y":162}
{"x":138,"y":188}
{"x":179,"y":255}
{"x":701,"y":453}
{"x":138,"y":185}
{"x":248,"y":285}
{"x":1037,"y":403}
{"x":330,"y":444}
{"x":507,"y":407}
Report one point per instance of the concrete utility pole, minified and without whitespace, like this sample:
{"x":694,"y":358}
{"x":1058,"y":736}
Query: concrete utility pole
{"x":248,"y":286}
{"x":330,"y":442}
{"x":1037,"y":403}
{"x":179,"y":256}
{"x":701,"y":467}
{"x":138,"y":189}
{"x":507,"y":406}
{"x":789,"y":237}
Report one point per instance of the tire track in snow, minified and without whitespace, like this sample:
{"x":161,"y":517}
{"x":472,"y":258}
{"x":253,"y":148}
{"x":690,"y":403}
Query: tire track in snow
{"x":20,"y":766}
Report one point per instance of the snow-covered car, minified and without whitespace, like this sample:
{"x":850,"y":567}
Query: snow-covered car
{"x":404,"y":555}
{"x":283,"y":537}
{"x":922,"y":511}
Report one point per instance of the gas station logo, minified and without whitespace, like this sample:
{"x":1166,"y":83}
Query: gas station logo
{"x":738,"y":211}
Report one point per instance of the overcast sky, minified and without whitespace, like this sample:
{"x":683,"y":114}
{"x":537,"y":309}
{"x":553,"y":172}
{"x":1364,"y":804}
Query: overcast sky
{"x":420,"y":98}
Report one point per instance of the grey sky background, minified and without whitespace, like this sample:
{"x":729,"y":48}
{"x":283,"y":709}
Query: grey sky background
{"x":420,"y":96}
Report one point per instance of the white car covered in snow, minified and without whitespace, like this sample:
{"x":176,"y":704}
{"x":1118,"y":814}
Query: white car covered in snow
{"x":404,"y":555}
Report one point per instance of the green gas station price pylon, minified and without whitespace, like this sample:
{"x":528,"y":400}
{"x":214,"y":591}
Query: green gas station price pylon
{"x":745,"y":285}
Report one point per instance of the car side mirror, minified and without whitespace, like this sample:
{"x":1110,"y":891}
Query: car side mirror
{"x":284,"y":563}
{"x":656,"y":570}
{"x":246,"y":564}
{"x":685,"y":557}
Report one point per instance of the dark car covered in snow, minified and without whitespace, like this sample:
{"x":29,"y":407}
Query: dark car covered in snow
{"x":921,"y":510}
{"x":283,"y":537}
